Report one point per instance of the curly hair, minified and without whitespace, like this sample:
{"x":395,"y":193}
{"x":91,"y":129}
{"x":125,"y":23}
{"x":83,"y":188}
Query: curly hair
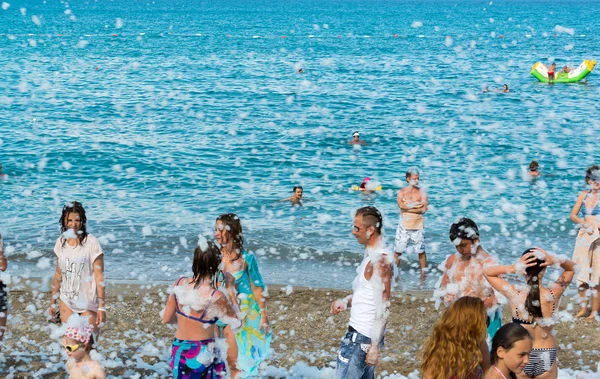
{"x":74,"y":207}
{"x":453,"y":347}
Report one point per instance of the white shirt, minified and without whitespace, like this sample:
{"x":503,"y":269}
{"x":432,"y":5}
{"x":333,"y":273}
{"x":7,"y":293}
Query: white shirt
{"x":78,"y":289}
{"x":364,"y":301}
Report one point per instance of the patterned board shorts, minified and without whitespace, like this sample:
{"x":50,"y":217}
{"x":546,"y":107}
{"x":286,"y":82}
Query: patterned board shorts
{"x":403,"y":236}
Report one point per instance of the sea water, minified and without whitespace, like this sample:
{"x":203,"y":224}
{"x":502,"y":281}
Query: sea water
{"x":160,"y":115}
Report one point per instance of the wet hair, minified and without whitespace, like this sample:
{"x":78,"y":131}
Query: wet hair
{"x":506,"y":337}
{"x":74,"y":207}
{"x":233,"y":230}
{"x":411,"y":171}
{"x":464,"y":229}
{"x":533,"y":166}
{"x":505,"y":85}
{"x":592,"y":174}
{"x":452,"y":350}
{"x":297,"y":187}
{"x":207,"y":259}
{"x":533,"y":282}
{"x":371,"y":217}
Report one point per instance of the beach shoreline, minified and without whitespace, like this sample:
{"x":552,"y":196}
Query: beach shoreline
{"x":135,"y":342}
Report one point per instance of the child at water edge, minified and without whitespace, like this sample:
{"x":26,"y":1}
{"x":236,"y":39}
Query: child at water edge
{"x":77,"y":343}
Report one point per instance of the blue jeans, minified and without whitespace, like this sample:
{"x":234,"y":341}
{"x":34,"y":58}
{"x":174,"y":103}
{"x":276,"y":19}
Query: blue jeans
{"x":351,"y":359}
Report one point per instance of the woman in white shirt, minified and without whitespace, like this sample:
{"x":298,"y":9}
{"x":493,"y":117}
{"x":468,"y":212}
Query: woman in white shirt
{"x":79,"y":274}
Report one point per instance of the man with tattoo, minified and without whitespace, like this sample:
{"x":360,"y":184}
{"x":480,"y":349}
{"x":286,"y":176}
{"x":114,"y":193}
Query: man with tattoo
{"x":370,"y":302}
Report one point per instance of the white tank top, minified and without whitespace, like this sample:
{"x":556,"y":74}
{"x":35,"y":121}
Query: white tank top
{"x":363,"y":311}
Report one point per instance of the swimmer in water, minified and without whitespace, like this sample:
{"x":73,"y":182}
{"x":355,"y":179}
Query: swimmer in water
{"x":486,"y":89}
{"x":505,"y":88}
{"x":534,"y":169}
{"x":296,"y":197}
{"x":356,"y":139}
{"x":2,"y":176}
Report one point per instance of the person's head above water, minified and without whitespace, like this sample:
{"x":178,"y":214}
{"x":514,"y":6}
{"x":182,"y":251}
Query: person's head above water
{"x":228,"y":233}
{"x":464,"y":234}
{"x":412,"y":176}
{"x":297,"y":192}
{"x":368,"y":223}
{"x":207,"y":259}
{"x":453,"y":350}
{"x":511,"y":346}
{"x":356,"y":136}
{"x":534,"y":166}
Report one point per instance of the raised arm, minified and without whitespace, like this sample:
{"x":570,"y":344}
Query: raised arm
{"x":562,"y":283}
{"x":383,"y":272}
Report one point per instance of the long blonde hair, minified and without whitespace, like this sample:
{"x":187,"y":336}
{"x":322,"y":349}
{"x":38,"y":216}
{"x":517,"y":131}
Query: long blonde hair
{"x":453,"y":347}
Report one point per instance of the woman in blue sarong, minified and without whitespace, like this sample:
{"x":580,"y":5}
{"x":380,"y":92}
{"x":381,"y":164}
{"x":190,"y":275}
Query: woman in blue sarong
{"x":250,"y":345}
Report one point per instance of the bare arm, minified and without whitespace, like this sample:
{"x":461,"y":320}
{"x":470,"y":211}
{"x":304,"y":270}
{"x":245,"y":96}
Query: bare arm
{"x":384,"y":271}
{"x":492,"y":274}
{"x":169,"y":314}
{"x":100,"y":285}
{"x":485,"y":352}
{"x":341,"y":305}
{"x":576,"y":208}
{"x":262,"y":305}
{"x":562,"y":283}
{"x":228,"y":313}
{"x":55,"y":290}
{"x":3,"y":260}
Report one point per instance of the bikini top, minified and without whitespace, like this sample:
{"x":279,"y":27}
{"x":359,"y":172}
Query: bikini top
{"x":595,"y":211}
{"x":199,"y":319}
{"x":519,"y":320}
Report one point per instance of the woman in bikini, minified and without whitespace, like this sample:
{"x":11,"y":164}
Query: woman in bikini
{"x":196,"y":304}
{"x":252,"y":341}
{"x":79,"y":274}
{"x":534,"y":306}
{"x":457,"y":347}
{"x":587,"y":244}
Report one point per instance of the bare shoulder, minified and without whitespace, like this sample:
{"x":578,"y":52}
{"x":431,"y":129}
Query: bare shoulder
{"x":450,"y":260}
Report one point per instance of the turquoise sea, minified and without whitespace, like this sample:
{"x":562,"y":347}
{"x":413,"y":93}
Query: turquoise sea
{"x":160,"y":115}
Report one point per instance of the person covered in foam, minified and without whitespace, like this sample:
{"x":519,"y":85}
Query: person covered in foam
{"x":463,"y":272}
{"x":77,"y":342}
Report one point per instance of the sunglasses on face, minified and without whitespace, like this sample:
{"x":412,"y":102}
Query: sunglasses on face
{"x":356,"y":228}
{"x":71,"y":348}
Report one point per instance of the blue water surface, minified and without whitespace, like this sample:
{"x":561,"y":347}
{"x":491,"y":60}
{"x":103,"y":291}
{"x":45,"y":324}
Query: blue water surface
{"x":160,"y":115}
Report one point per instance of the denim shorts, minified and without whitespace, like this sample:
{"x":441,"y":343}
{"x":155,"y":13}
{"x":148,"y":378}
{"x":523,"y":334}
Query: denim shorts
{"x":351,"y":359}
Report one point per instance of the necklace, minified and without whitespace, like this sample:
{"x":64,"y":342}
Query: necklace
{"x":499,"y":372}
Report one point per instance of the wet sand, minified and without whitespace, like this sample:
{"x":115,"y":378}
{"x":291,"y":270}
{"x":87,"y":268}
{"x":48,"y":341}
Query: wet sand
{"x":134,"y":341}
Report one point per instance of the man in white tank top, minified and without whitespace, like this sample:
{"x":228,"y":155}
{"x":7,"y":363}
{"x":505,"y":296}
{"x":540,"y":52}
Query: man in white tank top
{"x":369,"y":303}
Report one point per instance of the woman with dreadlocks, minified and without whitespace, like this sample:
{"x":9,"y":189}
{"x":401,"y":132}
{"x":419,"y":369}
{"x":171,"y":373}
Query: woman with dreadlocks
{"x":79,"y":274}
